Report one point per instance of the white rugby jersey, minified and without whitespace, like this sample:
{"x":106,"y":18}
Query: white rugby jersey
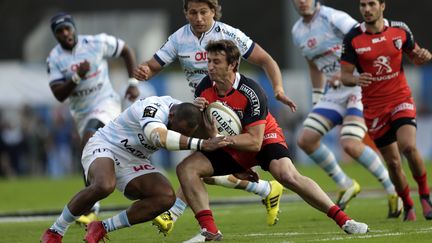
{"x":190,"y":50}
{"x":321,"y":39}
{"x":127,"y":130}
{"x":96,"y":86}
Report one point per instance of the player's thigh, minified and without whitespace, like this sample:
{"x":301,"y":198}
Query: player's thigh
{"x":98,"y":163}
{"x":148,"y":186}
{"x":219,"y":162}
{"x":391,"y":155}
{"x":406,"y":133}
{"x":102,"y":172}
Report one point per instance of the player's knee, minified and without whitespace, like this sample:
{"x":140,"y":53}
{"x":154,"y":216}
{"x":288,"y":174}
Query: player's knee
{"x":317,"y":123}
{"x":408,"y":149}
{"x":103,"y":189}
{"x":166,"y":201}
{"x":394,"y":164}
{"x":351,"y":146}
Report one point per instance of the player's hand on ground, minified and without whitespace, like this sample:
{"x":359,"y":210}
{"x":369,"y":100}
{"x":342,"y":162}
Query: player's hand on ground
{"x":212,"y":144}
{"x":248,"y":175}
{"x":142,"y":72}
{"x":132,"y":93}
{"x":200,"y":102}
{"x":83,"y":68}
{"x":286,"y":100}
{"x":364,"y":79}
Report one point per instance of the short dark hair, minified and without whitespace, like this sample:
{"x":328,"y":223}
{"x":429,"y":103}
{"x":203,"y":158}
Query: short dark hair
{"x":188,"y":112}
{"x":230,"y":48}
{"x":213,"y":4}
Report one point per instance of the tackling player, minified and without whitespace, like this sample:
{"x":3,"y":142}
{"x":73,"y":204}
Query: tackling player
{"x":319,"y":35}
{"x":261,"y":143}
{"x":117,"y":156}
{"x":78,"y":70}
{"x":187,"y":45}
{"x":375,"y":48}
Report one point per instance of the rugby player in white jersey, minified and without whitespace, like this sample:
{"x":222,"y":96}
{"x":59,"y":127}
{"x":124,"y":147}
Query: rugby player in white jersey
{"x":319,"y":35}
{"x":187,"y":45}
{"x":117,"y":156}
{"x":78,"y":70}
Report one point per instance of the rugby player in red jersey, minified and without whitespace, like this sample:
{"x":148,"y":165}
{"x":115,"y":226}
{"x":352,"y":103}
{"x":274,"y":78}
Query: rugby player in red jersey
{"x":375,"y":48}
{"x":260,"y":143}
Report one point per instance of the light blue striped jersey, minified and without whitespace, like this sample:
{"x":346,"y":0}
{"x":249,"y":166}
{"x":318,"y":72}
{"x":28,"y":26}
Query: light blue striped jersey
{"x":190,"y":50}
{"x":127,"y":130}
{"x":96,"y":86}
{"x":320,"y":40}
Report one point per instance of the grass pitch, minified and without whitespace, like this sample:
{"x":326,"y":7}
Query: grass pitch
{"x":238,"y":222}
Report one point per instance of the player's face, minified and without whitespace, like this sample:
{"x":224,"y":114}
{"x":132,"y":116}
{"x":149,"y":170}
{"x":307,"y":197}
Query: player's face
{"x":200,"y":17}
{"x":65,"y":35}
{"x":181,"y":127}
{"x":218,"y":68}
{"x":305,"y":7}
{"x":371,"y":10}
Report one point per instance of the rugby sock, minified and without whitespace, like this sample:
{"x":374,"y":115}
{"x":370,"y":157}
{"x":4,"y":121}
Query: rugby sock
{"x":327,"y":161}
{"x":423,"y":188}
{"x":339,"y":216}
{"x":372,"y":162}
{"x":178,"y":209}
{"x":96,"y":207}
{"x":63,"y":221}
{"x":406,"y":198}
{"x":261,"y":188}
{"x":116,"y":222}
{"x":206,"y":221}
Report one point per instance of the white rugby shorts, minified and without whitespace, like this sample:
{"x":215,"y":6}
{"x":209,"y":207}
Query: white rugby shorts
{"x":127,"y":166}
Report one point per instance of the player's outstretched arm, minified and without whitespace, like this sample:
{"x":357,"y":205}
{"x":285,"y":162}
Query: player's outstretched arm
{"x":261,"y":58}
{"x":128,"y":56}
{"x":147,"y":70}
{"x":251,"y":140}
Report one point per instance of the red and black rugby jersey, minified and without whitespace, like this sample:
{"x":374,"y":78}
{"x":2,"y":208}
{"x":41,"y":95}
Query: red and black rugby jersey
{"x":380,"y":54}
{"x":247,"y":98}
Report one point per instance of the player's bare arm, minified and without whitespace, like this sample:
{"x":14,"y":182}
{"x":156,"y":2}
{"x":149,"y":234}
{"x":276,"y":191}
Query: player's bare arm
{"x":62,"y":91}
{"x":317,"y":77}
{"x":171,"y":140}
{"x":261,"y":58}
{"x":420,"y":56}
{"x":147,"y":70}
{"x":349,"y":79}
{"x":251,"y":140}
{"x":128,"y":56}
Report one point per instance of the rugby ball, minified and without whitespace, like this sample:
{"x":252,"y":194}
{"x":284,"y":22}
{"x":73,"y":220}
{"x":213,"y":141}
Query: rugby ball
{"x":227,"y":121}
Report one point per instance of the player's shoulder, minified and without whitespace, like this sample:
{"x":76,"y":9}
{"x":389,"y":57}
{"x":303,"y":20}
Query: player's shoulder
{"x":225,"y":29}
{"x":183,"y":32}
{"x":354,"y":32}
{"x":297,"y":26}
{"x":55,"y":52}
{"x":101,"y":37}
{"x":399,"y":24}
{"x":249,"y":86}
{"x":203,"y":85}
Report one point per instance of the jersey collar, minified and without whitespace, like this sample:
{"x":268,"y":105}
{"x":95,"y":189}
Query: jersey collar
{"x":233,"y":87}
{"x":363,"y":27}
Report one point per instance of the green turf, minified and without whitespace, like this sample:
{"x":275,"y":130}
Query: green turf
{"x":239,"y":223}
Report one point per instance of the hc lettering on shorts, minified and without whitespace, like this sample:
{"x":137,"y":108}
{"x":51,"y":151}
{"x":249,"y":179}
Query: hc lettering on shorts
{"x":137,"y":168}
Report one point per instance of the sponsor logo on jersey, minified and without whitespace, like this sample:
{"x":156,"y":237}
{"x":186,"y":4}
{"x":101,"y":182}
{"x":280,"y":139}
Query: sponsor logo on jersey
{"x":362,"y":50}
{"x":85,"y":92}
{"x":270,"y":135}
{"x":240,"y":44}
{"x":253,"y":99}
{"x":133,"y":150}
{"x":383,"y":65}
{"x":201,"y":56}
{"x":149,"y":111}
{"x":397,"y":42}
{"x":402,"y":107}
{"x":378,"y":40}
{"x":311,"y":43}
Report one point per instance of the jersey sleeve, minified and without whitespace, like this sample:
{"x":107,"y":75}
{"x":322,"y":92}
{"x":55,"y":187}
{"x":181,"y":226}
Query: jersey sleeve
{"x":111,"y":46}
{"x":256,"y":110}
{"x":409,"y":44}
{"x":243,"y":42}
{"x":168,"y":52}
{"x":342,"y":21}
{"x":348,"y":52}
{"x":153,"y":111}
{"x":54,"y":73}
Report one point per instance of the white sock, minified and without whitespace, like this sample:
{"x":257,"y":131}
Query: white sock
{"x":225,"y":181}
{"x":177,"y":209}
{"x":63,"y":221}
{"x":261,"y":188}
{"x":116,"y":222}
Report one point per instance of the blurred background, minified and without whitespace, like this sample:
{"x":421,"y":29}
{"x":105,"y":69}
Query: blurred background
{"x":37,"y":134}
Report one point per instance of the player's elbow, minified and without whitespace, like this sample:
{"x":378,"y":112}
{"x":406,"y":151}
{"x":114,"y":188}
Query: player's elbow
{"x":256,"y":145}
